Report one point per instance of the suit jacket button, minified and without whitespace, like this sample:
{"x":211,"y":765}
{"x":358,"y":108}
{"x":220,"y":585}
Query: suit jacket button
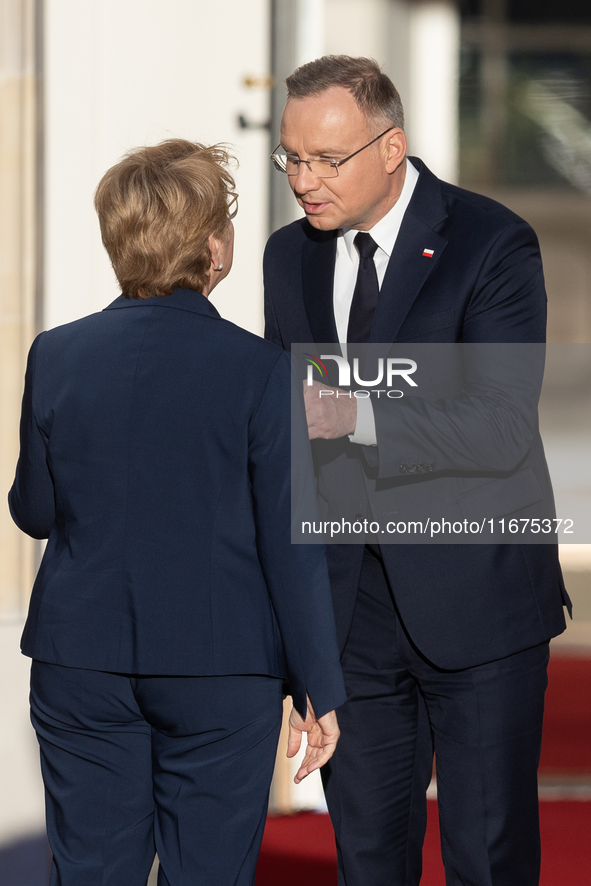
{"x":430,"y":467}
{"x":403,"y":469}
{"x":421,"y":469}
{"x":412,"y":469}
{"x":359,"y":518}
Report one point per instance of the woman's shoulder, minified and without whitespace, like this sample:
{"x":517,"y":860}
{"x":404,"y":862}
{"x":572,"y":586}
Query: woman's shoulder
{"x":255,"y":352}
{"x":191,"y":339}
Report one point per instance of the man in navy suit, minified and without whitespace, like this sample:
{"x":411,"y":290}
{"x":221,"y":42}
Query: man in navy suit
{"x":170,"y":604}
{"x":444,"y":647}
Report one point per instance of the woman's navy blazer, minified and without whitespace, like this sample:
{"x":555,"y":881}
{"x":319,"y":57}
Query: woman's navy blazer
{"x":155,"y":456}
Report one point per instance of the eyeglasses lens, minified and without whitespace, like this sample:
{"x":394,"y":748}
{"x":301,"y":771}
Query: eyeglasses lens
{"x":290,"y":165}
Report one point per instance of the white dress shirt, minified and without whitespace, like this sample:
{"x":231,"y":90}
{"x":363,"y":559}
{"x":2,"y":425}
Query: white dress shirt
{"x":384,"y":233}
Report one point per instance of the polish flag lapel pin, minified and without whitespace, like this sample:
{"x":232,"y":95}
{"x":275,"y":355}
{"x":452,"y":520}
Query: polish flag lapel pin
{"x":428,"y":253}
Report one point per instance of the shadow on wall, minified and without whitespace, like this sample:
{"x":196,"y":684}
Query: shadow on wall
{"x":25,"y":862}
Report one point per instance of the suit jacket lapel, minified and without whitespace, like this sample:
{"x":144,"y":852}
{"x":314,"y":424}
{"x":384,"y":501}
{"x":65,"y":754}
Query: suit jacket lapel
{"x":408,"y":268}
{"x":318,"y":260}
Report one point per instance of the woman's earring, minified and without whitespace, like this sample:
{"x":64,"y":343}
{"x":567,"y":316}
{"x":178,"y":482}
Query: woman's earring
{"x":220,"y":267}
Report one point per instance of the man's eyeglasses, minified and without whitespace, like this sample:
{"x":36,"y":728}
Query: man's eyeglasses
{"x":322,"y":167}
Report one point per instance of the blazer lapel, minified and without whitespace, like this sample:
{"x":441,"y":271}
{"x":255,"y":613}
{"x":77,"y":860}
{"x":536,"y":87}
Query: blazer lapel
{"x":409,"y":267}
{"x":318,"y":260}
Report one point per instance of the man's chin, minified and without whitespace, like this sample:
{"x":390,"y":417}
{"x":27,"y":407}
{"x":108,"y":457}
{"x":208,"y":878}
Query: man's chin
{"x":322,"y":223}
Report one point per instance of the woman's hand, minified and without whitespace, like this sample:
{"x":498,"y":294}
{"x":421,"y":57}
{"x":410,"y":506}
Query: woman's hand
{"x":323,"y":735}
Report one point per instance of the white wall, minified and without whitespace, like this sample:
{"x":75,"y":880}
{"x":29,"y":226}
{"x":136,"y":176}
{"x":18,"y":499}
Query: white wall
{"x":21,"y":789}
{"x":123,"y":73}
{"x":358,"y":27}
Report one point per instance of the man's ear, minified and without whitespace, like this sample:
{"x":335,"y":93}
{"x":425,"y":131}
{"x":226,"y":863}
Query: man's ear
{"x":396,"y":149}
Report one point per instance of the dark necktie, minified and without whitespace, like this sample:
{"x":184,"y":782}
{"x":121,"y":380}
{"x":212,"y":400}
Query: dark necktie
{"x":365,"y":296}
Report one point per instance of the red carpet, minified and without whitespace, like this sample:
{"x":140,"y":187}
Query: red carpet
{"x":566,"y":749}
{"x":300,"y":849}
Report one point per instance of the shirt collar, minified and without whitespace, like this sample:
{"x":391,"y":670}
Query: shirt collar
{"x":386,"y":230}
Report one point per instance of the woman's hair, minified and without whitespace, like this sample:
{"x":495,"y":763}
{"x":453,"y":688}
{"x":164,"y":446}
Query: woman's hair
{"x":374,"y":92}
{"x":157,"y":208}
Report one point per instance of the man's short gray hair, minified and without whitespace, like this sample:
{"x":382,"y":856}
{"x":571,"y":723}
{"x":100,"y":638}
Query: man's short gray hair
{"x":374,"y":92}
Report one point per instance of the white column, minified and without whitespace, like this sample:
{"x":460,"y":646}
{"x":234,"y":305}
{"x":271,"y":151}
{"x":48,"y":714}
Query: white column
{"x":17,"y":275}
{"x":417,"y":44}
{"x":310,"y":31}
{"x":432,"y":104}
{"x":21,"y":791}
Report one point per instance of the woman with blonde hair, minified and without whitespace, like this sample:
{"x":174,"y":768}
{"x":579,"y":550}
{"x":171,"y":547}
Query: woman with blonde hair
{"x":170,"y":605}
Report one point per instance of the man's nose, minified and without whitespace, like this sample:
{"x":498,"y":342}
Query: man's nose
{"x":305,"y":180}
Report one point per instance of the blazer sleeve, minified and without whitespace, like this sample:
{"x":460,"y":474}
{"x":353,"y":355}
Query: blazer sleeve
{"x":489,"y":425}
{"x":31,"y":499}
{"x":272,"y":331}
{"x":296,"y":574}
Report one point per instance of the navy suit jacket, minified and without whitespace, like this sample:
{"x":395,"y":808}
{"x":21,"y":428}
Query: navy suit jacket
{"x":155,"y":456}
{"x":463,"y":605}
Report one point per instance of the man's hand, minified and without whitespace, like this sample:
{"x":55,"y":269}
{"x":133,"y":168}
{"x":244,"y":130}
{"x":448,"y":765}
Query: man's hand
{"x":323,"y":734}
{"x":331,"y":415}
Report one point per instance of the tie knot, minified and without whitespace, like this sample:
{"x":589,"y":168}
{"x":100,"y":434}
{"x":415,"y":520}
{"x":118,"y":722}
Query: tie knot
{"x":366,"y":246}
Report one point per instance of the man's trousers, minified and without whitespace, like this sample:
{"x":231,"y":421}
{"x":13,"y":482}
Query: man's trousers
{"x":484,"y":724}
{"x":137,"y":763}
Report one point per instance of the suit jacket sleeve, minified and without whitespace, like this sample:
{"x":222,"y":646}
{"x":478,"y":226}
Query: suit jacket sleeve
{"x":296,"y":574}
{"x":272,"y":332}
{"x":31,"y":499}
